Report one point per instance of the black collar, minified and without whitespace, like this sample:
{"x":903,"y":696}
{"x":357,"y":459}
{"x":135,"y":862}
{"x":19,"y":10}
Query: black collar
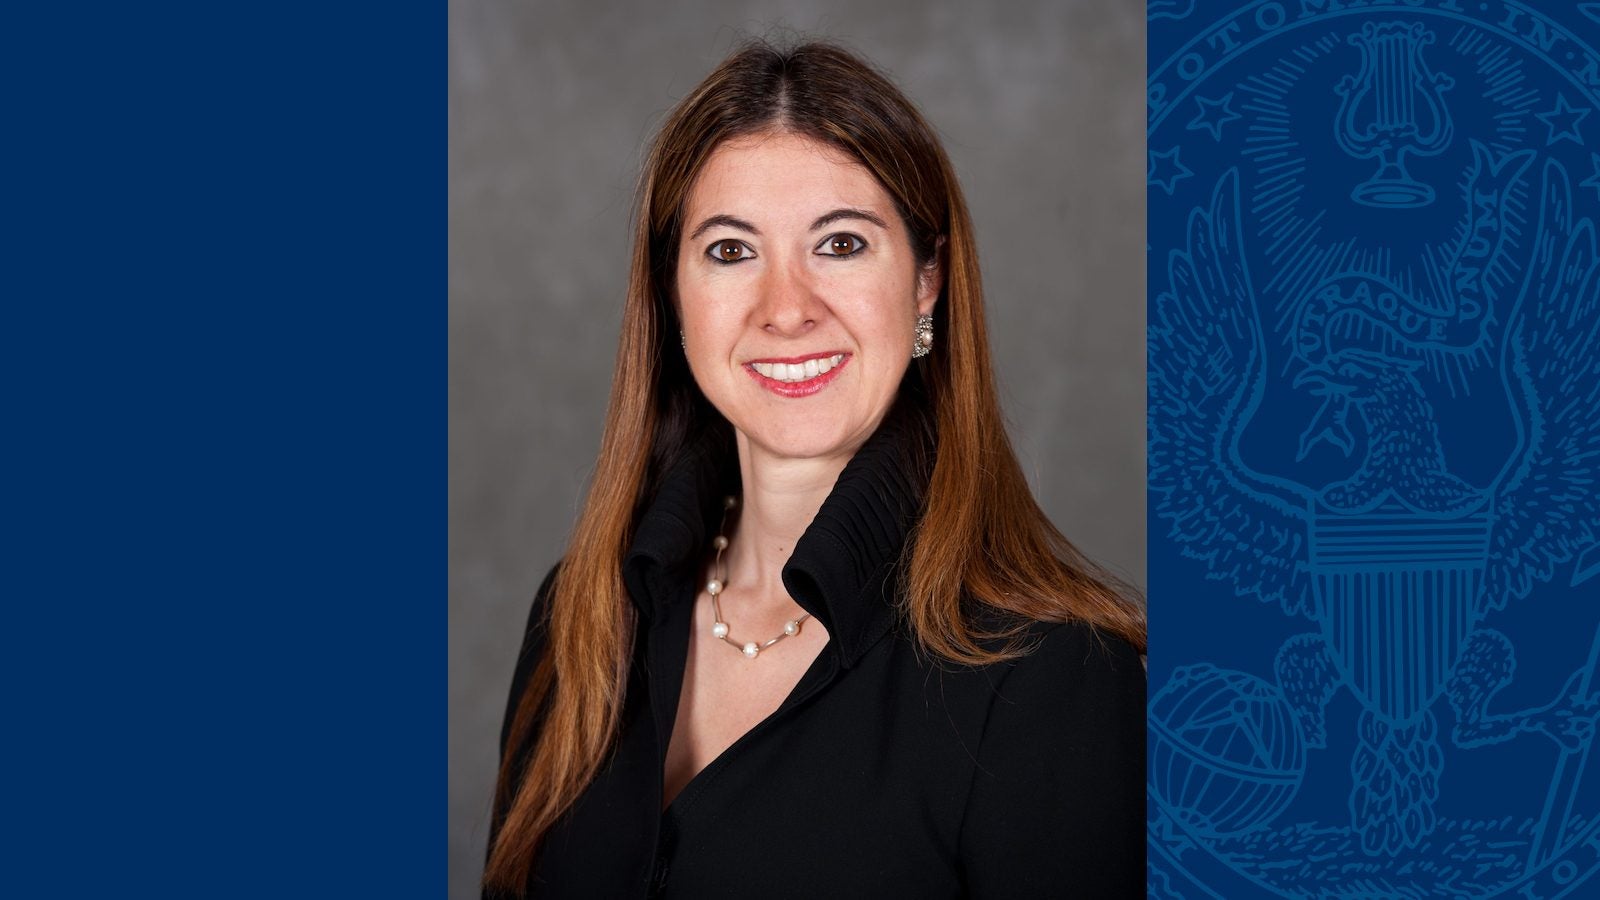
{"x":843,"y":568}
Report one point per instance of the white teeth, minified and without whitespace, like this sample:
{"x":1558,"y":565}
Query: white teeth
{"x":792,"y":372}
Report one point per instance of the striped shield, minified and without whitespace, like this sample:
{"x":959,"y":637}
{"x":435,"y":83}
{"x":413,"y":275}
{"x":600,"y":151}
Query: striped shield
{"x":1396,"y":592}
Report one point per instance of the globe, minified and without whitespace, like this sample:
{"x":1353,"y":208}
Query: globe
{"x":1225,"y":750}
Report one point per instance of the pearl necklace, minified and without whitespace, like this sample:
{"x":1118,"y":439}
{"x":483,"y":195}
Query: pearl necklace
{"x":719,"y":630}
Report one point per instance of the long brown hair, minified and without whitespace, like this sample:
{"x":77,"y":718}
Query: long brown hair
{"x":983,"y":546}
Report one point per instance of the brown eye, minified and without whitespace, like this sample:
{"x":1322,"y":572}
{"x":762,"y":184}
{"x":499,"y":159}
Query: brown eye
{"x":842,"y":245}
{"x":729,"y":251}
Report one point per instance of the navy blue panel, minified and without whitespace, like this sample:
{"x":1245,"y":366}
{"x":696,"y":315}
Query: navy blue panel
{"x":224,"y":331}
{"x":1374,"y":434}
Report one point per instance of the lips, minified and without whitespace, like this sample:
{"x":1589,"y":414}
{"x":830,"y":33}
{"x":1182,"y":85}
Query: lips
{"x":801,"y":369}
{"x":797,"y":376}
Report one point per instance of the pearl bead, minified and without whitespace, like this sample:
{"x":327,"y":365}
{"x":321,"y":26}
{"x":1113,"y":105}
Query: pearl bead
{"x":791,"y":628}
{"x":714,"y":587}
{"x":719,"y":630}
{"x":751,"y":650}
{"x":728,"y":502}
{"x":721,"y":542}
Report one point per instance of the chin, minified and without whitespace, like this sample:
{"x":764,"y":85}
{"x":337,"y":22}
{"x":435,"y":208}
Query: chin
{"x":804,"y":440}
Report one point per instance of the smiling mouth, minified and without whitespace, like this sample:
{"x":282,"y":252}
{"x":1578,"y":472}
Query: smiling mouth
{"x":798,"y":379}
{"x":794,"y":373}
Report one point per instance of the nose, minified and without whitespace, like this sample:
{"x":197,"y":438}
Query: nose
{"x":790,"y":306}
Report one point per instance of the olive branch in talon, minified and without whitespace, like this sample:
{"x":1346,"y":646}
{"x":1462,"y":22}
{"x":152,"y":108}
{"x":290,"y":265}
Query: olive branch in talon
{"x":1487,"y":667}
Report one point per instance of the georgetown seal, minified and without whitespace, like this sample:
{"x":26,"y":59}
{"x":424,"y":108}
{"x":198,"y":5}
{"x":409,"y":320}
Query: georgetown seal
{"x":1374,"y":445}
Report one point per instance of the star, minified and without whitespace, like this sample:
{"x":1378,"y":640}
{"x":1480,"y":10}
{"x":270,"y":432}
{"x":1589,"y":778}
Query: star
{"x":1593,"y":180}
{"x":1567,"y":117}
{"x":1175,"y":170}
{"x":1213,"y":115}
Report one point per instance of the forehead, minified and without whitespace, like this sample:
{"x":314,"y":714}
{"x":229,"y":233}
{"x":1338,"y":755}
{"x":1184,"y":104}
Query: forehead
{"x":772,"y":174}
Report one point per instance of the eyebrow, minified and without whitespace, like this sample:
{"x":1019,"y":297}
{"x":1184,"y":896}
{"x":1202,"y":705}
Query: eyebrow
{"x":724,"y":219}
{"x":822,"y":221}
{"x":841,"y":214}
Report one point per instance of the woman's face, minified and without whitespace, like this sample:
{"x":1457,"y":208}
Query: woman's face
{"x":798,"y":293}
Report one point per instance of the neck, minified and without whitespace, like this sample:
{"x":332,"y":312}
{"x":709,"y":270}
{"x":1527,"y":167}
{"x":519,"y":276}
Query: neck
{"x":780,"y":498}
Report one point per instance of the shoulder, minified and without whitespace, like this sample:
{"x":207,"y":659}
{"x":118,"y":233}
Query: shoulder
{"x":1065,"y":655}
{"x":1074,"y":676}
{"x":534,"y":630}
{"x":531,"y":648}
{"x":539,"y":607}
{"x":1058,"y":794}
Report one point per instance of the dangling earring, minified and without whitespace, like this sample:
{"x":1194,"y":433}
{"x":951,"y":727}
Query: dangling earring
{"x":924,"y":337}
{"x":683,"y":341}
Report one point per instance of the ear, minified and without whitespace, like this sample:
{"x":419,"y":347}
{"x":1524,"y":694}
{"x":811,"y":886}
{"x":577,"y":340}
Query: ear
{"x":930,"y":280}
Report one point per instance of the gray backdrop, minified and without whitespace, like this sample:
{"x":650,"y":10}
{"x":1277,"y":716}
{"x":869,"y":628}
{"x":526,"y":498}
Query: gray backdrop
{"x":1040,"y":105}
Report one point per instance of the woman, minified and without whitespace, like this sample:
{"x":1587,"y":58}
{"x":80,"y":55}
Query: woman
{"x":812,"y":635}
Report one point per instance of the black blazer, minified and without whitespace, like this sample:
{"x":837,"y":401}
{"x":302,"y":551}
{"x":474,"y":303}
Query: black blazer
{"x":883,"y":774}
